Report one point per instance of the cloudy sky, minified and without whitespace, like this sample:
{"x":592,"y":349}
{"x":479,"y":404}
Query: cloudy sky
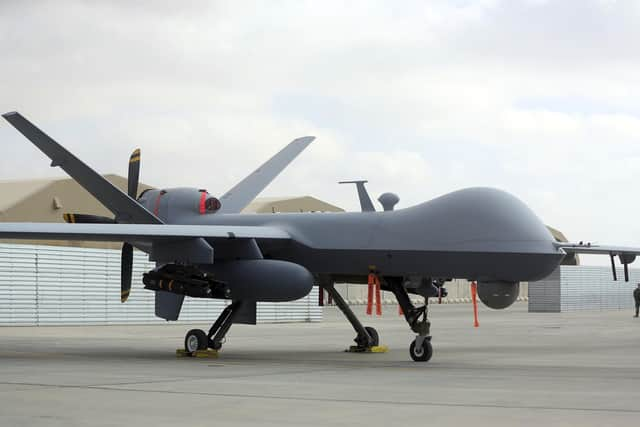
{"x":539,"y":98}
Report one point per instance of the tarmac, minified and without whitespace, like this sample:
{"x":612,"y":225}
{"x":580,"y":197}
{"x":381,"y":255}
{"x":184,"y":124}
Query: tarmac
{"x":517,"y":368}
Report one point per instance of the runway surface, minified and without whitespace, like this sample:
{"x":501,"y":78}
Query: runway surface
{"x":516,"y":369}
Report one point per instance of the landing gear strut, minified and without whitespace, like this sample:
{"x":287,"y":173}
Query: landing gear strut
{"x":420,"y":349}
{"x":367,"y":336}
{"x":197,"y":339}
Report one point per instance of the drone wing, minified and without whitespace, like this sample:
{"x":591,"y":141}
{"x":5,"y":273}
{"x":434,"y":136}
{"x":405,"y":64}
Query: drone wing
{"x":236,"y":199}
{"x":626,"y":255}
{"x":123,"y":206}
{"x":136,"y":232}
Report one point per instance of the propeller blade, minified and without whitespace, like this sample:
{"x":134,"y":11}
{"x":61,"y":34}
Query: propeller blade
{"x":126,"y":265}
{"x":126,"y":271}
{"x":134,"y":174}
{"x":75,"y":218}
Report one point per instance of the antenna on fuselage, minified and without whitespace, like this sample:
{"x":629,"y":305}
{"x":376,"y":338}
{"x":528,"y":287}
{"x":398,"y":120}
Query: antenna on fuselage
{"x":388,"y":201}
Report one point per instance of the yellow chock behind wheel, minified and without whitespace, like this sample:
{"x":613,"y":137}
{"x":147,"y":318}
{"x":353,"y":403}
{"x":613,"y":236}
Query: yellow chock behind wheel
{"x":212,"y":354}
{"x":379,"y":349}
{"x":374,"y":349}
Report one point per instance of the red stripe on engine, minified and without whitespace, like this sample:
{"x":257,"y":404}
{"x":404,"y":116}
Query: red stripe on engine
{"x":203,"y":198}
{"x":156,"y":207}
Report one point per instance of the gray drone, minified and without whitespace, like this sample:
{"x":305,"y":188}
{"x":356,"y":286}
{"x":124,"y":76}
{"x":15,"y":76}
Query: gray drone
{"x":204,"y":248}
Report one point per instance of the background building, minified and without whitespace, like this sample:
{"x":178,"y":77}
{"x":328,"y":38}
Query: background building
{"x":290,"y":204}
{"x":46,"y":200}
{"x":571,"y":288}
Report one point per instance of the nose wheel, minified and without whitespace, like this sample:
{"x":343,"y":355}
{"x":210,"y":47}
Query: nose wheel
{"x":421,"y":349}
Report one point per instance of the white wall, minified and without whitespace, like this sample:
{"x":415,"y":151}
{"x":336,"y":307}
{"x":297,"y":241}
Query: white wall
{"x":571,"y":288}
{"x":47,"y":285}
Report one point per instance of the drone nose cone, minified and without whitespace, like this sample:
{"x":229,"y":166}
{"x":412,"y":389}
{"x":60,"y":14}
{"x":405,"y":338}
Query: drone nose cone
{"x":498,"y":214}
{"x":473,"y":233}
{"x":483,"y":219}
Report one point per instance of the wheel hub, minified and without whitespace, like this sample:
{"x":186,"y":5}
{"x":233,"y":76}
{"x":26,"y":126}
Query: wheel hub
{"x":192,"y":343}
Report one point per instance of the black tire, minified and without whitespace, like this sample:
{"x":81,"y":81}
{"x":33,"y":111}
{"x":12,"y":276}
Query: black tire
{"x":421,"y":354}
{"x":196,"y":339}
{"x":375,"y":340}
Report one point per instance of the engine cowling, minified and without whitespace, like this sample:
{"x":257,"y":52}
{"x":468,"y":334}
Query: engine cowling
{"x":498,"y":294}
{"x":178,"y":203}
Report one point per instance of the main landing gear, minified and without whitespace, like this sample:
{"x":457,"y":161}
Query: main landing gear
{"x":420,"y":349}
{"x":367,"y":336}
{"x":197,"y":339}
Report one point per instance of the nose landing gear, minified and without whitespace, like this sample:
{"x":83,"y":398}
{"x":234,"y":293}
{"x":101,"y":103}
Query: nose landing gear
{"x":420,"y":349}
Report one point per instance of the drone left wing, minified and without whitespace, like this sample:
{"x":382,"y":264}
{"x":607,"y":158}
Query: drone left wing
{"x":136,"y":232}
{"x":123,"y":206}
{"x":626,"y":255}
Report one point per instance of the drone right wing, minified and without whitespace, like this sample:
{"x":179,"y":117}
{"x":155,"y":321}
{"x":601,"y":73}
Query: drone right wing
{"x":626,"y":255}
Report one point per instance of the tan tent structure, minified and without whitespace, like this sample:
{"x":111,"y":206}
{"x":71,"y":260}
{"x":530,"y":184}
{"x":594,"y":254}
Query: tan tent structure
{"x":572,"y":259}
{"x":290,"y":204}
{"x":46,"y":200}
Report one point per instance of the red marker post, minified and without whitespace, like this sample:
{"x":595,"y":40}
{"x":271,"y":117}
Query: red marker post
{"x":474,"y":292}
{"x":371,"y":280}
{"x":374,"y":293}
{"x":378,"y":298}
